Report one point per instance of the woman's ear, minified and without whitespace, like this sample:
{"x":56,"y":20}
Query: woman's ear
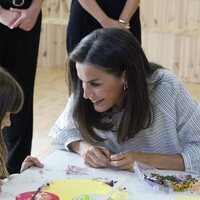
{"x":124,"y":76}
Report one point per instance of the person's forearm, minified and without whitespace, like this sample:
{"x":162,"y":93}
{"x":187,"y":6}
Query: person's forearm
{"x":163,"y":161}
{"x":79,"y":147}
{"x":1,"y":9}
{"x":36,"y":5}
{"x":94,"y":9}
{"x":129,"y":9}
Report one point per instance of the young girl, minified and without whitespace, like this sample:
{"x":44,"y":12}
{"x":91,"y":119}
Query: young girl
{"x":11,"y":101}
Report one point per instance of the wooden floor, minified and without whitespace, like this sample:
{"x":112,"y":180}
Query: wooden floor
{"x":50,"y":100}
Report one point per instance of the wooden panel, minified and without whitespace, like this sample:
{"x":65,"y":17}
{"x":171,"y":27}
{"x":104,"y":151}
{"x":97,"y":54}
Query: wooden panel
{"x":179,"y":53}
{"x":52,"y":52}
{"x":56,"y":9}
{"x":170,"y":15}
{"x":171,"y":35}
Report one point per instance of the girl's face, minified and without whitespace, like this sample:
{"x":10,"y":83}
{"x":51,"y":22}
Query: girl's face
{"x":103,"y":89}
{"x":6,"y":121}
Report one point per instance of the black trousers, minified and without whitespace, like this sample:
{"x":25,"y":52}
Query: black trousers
{"x":81,"y":23}
{"x":18,"y":54}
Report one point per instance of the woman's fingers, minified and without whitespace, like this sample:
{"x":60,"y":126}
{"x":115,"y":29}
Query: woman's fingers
{"x":117,"y":157}
{"x":122,"y":160}
{"x":97,"y":157}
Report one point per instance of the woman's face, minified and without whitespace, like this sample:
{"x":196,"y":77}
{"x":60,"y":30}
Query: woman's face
{"x":6,"y":121}
{"x":103,"y":89}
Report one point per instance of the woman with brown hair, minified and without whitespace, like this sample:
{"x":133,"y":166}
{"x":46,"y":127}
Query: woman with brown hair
{"x":123,"y":109}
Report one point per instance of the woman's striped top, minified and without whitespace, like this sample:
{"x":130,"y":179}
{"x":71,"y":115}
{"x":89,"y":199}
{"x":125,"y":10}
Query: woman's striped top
{"x":176,"y":127}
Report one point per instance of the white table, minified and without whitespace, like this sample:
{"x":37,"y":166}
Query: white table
{"x":55,"y":166}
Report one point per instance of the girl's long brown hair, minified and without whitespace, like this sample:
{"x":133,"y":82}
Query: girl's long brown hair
{"x":11,"y":100}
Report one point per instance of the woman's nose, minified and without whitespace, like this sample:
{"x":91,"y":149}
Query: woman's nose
{"x":86,"y":92}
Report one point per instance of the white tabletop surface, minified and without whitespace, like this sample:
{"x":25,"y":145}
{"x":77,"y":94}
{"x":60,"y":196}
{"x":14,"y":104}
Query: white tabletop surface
{"x":55,"y":168}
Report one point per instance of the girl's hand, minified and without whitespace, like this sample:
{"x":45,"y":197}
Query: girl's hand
{"x":97,"y":157}
{"x":31,"y":161}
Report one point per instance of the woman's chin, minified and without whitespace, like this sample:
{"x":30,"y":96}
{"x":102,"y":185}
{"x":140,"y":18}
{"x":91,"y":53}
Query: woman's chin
{"x":101,"y":109}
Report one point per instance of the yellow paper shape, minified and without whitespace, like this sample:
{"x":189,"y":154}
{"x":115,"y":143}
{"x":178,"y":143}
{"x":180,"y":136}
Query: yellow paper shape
{"x":67,"y":189}
{"x":189,"y":198}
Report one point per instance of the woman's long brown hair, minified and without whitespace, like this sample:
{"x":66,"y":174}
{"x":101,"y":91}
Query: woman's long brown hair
{"x":114,"y":51}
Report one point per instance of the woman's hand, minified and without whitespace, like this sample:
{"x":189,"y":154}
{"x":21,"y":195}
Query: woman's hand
{"x":125,"y":160}
{"x":112,"y":23}
{"x":27,"y":18}
{"x":97,"y":157}
{"x":31,"y":161}
{"x":8,"y":17}
{"x":94,"y":156}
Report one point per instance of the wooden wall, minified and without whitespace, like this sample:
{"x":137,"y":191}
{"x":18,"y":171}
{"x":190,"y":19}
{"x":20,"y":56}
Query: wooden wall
{"x":52,"y":52}
{"x":170,"y":35}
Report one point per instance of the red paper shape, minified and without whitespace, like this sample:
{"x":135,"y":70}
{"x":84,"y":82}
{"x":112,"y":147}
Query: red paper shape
{"x":29,"y":195}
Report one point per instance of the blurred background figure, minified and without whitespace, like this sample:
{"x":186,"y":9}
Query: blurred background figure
{"x":20,"y":25}
{"x":88,"y":15}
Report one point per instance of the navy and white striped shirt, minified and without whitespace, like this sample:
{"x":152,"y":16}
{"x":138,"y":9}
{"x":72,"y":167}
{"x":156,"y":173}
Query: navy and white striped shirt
{"x":176,"y":127}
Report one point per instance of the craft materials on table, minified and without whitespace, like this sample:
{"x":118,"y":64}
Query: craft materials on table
{"x":79,"y":182}
{"x":165,"y":182}
{"x":73,"y":189}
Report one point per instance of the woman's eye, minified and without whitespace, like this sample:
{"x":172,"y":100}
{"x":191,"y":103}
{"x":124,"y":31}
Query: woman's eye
{"x":95,"y":84}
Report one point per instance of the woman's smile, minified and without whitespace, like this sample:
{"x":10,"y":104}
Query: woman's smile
{"x":103,"y":89}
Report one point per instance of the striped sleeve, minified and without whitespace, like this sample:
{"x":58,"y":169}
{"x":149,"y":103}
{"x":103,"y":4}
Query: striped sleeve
{"x":64,"y":130}
{"x":188,"y":128}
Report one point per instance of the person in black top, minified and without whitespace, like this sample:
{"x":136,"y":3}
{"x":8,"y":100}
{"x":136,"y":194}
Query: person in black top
{"x":88,"y":15}
{"x":20,"y":25}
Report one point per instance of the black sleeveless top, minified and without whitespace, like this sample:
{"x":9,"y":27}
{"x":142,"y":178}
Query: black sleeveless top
{"x":21,"y":4}
{"x":81,"y":23}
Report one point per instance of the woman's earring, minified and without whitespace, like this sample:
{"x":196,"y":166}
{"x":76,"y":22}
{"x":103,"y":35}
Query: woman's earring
{"x":125,"y":87}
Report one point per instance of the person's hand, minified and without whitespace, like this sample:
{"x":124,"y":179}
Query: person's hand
{"x":125,"y":160}
{"x":97,"y":157}
{"x":27,"y":18}
{"x":112,"y":23}
{"x":30,"y":161}
{"x":8,"y":17}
